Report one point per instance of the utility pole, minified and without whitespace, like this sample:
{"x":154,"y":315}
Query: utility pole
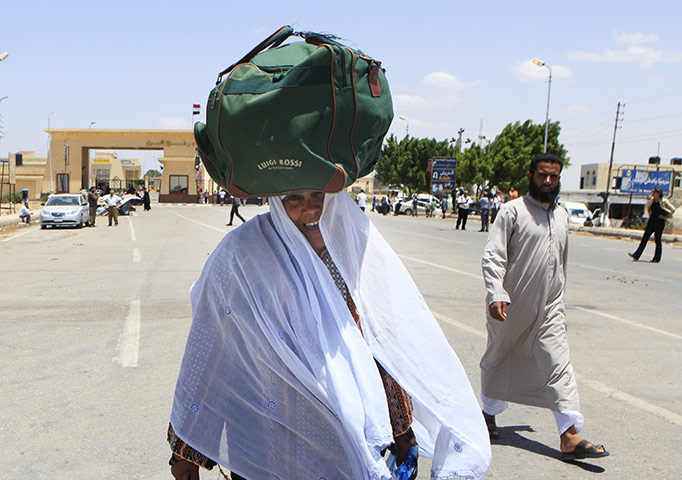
{"x":608,"y":177}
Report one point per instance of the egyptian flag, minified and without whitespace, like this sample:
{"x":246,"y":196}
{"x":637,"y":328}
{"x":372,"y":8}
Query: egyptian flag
{"x":197,"y":109}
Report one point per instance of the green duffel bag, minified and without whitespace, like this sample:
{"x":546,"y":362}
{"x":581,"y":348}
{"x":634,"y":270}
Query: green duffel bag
{"x":308,"y":115}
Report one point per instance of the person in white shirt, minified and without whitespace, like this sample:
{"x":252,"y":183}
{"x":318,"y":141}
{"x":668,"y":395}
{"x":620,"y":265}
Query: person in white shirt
{"x":112,"y":203}
{"x":361,"y":199}
{"x":25,"y":214}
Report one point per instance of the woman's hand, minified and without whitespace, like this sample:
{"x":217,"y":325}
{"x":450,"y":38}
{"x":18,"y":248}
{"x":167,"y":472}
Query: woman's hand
{"x":182,"y":469}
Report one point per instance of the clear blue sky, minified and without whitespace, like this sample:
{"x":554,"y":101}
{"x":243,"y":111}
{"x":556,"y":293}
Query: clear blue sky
{"x":451,"y":65}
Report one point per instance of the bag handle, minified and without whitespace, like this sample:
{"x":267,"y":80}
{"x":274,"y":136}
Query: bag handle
{"x":272,"y":41}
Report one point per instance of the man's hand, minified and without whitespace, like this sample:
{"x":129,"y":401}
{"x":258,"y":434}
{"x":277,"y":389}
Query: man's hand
{"x":498,"y":310}
{"x":182,"y":469}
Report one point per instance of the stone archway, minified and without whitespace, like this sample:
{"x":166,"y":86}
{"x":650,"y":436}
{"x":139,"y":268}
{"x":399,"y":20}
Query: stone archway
{"x":70,"y":147}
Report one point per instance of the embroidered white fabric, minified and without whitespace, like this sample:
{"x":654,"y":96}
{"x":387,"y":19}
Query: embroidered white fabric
{"x":277,"y":382}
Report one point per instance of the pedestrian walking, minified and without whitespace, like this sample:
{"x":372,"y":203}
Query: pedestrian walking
{"x":659,"y":209}
{"x":146,"y":200}
{"x":484,"y":203}
{"x":464,"y":203}
{"x":112,"y":201}
{"x":524,"y":268}
{"x":236,"y":202}
{"x":361,"y":200}
{"x":495,"y":206}
{"x":221,"y":196}
{"x":444,"y":204}
{"x":284,"y":373}
{"x":415,"y":204}
{"x":93,"y":198}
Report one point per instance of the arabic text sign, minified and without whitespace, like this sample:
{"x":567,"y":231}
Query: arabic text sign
{"x":443,"y":171}
{"x":644,"y":181}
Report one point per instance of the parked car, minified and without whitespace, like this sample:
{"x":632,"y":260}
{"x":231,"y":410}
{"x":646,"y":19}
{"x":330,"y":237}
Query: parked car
{"x":423,"y":204}
{"x":578,"y":213}
{"x":65,"y":209}
{"x":128,"y":204}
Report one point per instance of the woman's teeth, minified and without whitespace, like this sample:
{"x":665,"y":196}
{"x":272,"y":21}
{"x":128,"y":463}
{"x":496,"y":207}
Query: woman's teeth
{"x":311,"y":225}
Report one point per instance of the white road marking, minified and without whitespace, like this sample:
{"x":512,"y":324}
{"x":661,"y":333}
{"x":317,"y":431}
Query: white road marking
{"x":629,"y":322}
{"x":583,"y":381}
{"x":199,"y":223}
{"x":129,"y":342}
{"x":631,"y":400}
{"x":12,"y":237}
{"x":587,"y":310}
{"x":136,"y":255}
{"x":461,"y":272}
{"x":460,"y":325}
{"x":133,"y":237}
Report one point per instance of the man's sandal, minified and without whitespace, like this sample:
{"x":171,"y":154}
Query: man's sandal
{"x":493,"y":431}
{"x":583,"y":451}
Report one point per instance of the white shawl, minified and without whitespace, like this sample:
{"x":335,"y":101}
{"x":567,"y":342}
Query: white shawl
{"x":277,"y":381}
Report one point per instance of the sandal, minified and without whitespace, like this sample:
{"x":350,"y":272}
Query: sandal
{"x":493,"y":431}
{"x":408,"y":469}
{"x":583,"y":451}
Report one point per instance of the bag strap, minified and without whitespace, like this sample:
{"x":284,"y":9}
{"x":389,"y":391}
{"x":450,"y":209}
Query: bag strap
{"x":272,"y":41}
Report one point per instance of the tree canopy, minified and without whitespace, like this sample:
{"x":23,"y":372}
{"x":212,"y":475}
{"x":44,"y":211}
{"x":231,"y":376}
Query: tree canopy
{"x":405,"y":162}
{"x":504,"y":161}
{"x":152,"y":173}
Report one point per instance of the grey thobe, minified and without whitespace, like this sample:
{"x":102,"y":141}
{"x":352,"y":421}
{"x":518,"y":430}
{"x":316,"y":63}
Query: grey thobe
{"x":524,"y":263}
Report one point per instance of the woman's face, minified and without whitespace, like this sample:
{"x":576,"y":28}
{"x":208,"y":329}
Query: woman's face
{"x":305,"y":210}
{"x":656,"y":195}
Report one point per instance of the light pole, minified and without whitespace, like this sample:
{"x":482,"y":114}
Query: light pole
{"x":3,"y":56}
{"x":91,"y":124}
{"x":407,"y":125}
{"x":49,"y":132}
{"x":540,"y":63}
{"x":1,"y":99}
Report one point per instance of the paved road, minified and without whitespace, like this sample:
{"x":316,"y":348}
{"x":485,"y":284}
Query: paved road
{"x":94,"y":323}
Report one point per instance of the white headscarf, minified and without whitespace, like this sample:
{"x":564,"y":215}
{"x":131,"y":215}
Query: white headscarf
{"x":277,"y":381}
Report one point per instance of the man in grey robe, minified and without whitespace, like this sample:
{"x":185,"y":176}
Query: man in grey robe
{"x":524,"y":268}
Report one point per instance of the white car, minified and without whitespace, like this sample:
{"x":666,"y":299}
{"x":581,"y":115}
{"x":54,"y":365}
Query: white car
{"x":577,"y":212}
{"x":65,"y":209}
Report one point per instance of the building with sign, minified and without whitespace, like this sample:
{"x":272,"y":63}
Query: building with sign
{"x":107,"y":170}
{"x":630,"y":187}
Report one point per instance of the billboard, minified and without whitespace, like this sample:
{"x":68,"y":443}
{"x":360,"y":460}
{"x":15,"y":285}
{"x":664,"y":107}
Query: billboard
{"x":644,"y":181}
{"x":443,"y":170}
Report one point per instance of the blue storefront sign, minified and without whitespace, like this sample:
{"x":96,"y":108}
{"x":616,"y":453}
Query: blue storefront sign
{"x":443,"y":171}
{"x":644,"y":181}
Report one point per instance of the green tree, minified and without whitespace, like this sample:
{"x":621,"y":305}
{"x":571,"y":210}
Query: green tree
{"x":152,"y":173}
{"x":505,"y":161}
{"x":405,"y":162}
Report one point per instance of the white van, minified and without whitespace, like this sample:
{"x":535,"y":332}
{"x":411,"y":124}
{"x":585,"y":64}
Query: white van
{"x":577,"y":212}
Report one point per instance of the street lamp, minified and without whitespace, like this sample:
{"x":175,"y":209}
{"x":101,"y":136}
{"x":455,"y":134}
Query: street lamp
{"x":407,"y":125}
{"x":3,"y":56}
{"x":49,"y":131}
{"x":91,"y":124}
{"x":1,"y":99}
{"x":540,"y":63}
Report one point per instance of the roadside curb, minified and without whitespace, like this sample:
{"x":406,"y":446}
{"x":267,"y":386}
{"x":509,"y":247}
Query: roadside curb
{"x":623,"y":232}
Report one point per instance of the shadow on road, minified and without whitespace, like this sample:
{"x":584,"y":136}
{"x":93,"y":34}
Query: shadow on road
{"x":509,"y":436}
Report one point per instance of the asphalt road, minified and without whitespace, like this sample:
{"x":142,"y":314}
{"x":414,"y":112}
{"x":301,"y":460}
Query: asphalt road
{"x":94,"y":323}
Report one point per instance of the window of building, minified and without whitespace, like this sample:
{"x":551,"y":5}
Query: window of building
{"x":594,"y":177}
{"x":62,"y":183}
{"x":178,"y":183}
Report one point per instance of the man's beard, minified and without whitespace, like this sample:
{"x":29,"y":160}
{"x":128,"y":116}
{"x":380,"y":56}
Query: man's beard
{"x":543,"y":197}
